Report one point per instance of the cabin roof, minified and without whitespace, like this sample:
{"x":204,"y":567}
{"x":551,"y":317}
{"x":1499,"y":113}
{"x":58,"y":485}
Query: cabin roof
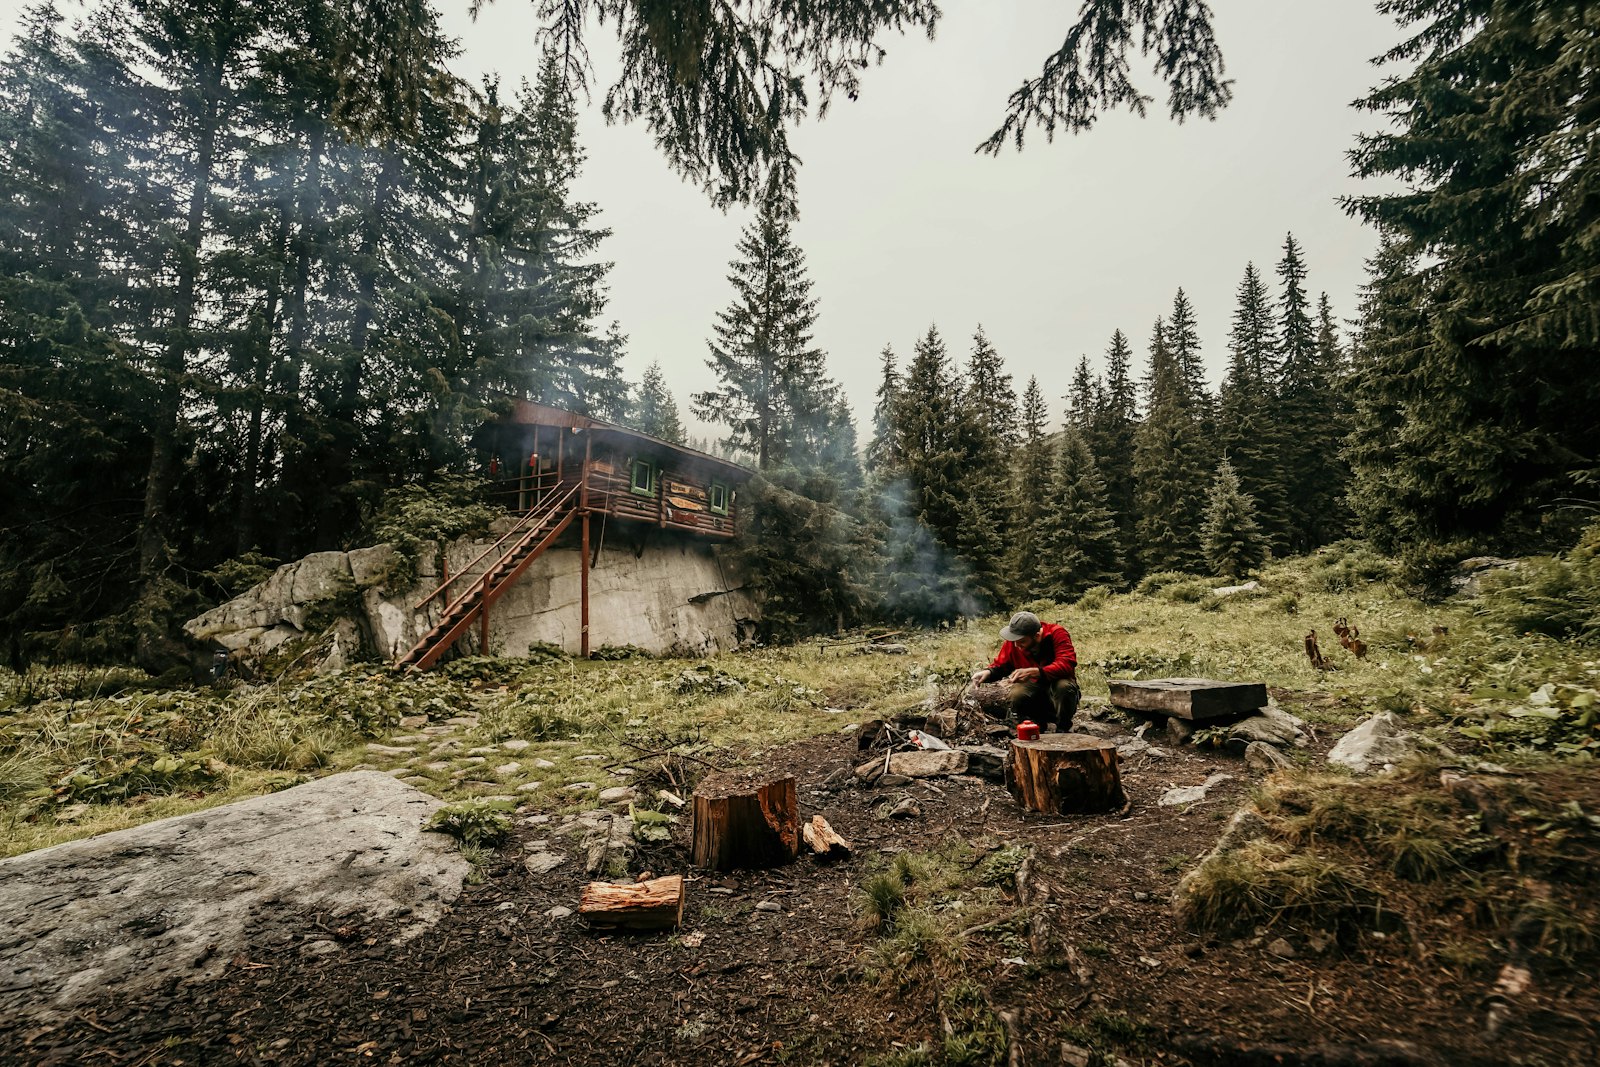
{"x":533,"y":413}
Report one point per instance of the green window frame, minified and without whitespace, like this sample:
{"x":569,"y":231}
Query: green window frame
{"x":642,"y":477}
{"x":717,"y":498}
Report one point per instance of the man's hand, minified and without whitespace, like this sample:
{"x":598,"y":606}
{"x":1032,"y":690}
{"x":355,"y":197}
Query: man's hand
{"x":979,"y":677}
{"x":1025,"y":674}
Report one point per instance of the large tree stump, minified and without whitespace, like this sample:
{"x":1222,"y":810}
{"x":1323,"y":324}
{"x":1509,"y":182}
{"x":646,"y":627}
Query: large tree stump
{"x":745,"y":820}
{"x":656,"y":904}
{"x":1062,"y":773}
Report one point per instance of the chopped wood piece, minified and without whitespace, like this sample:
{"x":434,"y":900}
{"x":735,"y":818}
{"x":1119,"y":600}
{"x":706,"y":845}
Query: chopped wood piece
{"x":991,"y":698}
{"x":1063,"y":773}
{"x":745,"y":820}
{"x":1190,"y":698}
{"x":823,"y":840}
{"x":656,"y":904}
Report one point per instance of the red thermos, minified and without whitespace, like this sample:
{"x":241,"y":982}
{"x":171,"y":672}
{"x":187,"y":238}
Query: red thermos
{"x":1027,"y":730}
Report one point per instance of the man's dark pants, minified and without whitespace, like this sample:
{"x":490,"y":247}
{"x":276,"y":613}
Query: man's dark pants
{"x":1032,"y":700}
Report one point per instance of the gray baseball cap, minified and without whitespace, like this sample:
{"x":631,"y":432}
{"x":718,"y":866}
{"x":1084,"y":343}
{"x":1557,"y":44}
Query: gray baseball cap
{"x":1022,"y":624}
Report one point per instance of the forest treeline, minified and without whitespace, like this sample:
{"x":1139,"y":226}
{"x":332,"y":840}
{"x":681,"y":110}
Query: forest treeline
{"x":258,"y":263}
{"x":261,"y":264}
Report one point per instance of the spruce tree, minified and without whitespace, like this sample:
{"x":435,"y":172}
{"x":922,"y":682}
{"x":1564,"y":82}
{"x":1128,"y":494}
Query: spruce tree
{"x":1084,"y":401}
{"x":1308,"y":438}
{"x":990,"y":393}
{"x":1249,"y":431}
{"x":988,"y":435}
{"x":1031,"y":476}
{"x":1167,"y":472}
{"x":654,"y":411}
{"x":1183,"y":339}
{"x":1110,"y":436}
{"x":883,"y":451}
{"x":932,"y":434}
{"x":1233,"y":543}
{"x":1079,"y":536}
{"x":771,"y":378}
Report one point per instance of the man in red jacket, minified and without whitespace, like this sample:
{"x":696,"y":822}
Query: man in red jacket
{"x":1038,"y":661}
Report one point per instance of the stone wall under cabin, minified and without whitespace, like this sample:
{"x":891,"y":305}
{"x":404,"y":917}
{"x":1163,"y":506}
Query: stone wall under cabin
{"x":658,"y":590}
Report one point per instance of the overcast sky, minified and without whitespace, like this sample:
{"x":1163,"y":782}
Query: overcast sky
{"x":1050,"y":250}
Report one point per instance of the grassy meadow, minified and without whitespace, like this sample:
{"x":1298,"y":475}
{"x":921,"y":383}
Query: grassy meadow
{"x":87,"y":750}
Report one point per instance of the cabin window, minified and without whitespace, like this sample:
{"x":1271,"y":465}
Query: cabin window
{"x":718,"y":498}
{"x":642,"y":480}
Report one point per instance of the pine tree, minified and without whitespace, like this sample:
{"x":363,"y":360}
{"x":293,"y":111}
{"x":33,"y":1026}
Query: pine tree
{"x":883,"y":451}
{"x":930,"y":429}
{"x":1110,"y":436}
{"x":980,"y":544}
{"x":1393,"y":485}
{"x":1085,"y":399}
{"x":534,"y":289}
{"x":1080,"y":538}
{"x":1308,"y":438}
{"x":1166,"y":470}
{"x":990,"y":392}
{"x":654,"y":411}
{"x":987,"y":437}
{"x":771,"y":377}
{"x":1248,"y":429}
{"x":1031,"y":484}
{"x":1232,"y":541}
{"x":1183,"y":339}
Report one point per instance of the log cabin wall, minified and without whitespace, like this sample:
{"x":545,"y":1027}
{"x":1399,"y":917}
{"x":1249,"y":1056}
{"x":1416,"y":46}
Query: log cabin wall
{"x":678,"y":497}
{"x":631,"y":476}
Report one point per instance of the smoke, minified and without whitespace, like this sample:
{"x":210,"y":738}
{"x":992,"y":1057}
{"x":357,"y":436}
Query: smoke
{"x":922,"y":579}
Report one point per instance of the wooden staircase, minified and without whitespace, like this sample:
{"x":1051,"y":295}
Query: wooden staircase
{"x":518,"y":548}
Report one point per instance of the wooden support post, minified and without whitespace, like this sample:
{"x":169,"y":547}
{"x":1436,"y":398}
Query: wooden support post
{"x":1065,"y":773}
{"x":656,"y":904}
{"x":745,"y":819}
{"x":583,"y":566}
{"x":483,"y":622}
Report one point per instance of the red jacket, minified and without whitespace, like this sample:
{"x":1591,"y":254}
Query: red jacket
{"x":1053,"y":655}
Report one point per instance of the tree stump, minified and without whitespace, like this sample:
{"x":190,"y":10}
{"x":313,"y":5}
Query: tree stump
{"x":653,"y":905}
{"x":745,"y":820}
{"x":1065,"y":773}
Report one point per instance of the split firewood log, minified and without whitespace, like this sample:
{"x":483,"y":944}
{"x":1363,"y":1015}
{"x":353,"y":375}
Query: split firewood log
{"x":824,"y":840}
{"x":656,"y":904}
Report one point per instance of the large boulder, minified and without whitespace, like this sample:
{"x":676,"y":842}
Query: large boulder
{"x":120,"y":913}
{"x":664,"y":594}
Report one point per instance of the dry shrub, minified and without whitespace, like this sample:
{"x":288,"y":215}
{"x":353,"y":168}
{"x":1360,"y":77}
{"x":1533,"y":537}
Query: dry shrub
{"x":1265,"y":883}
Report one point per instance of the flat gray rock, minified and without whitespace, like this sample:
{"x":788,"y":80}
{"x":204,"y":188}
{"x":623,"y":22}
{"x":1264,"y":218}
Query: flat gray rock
{"x":1274,"y":726}
{"x":126,"y":911}
{"x":1378,"y":743}
{"x":1191,"y":794}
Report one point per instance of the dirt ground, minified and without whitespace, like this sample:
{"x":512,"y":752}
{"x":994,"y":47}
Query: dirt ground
{"x":500,"y":982}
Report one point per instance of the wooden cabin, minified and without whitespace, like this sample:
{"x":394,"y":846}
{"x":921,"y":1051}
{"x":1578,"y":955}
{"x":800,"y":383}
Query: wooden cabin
{"x":557,"y":469}
{"x":621,"y":473}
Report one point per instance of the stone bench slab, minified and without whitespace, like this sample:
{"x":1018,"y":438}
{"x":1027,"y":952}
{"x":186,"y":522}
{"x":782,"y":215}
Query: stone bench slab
{"x":1195,"y":699}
